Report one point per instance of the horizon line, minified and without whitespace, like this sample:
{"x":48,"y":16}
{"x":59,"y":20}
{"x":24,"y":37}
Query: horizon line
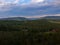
{"x":31,"y":16}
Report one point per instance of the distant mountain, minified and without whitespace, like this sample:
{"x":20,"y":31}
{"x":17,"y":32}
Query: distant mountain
{"x":46,"y":17}
{"x":23,"y":18}
{"x":52,"y":17}
{"x":14,"y":18}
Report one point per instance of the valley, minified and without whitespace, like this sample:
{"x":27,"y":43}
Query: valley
{"x":30,"y":32}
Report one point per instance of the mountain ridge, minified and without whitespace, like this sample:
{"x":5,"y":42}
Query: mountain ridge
{"x":23,"y":18}
{"x":52,"y":17}
{"x":14,"y":18}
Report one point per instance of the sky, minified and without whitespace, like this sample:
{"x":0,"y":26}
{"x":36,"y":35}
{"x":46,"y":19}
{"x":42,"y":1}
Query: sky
{"x":29,"y":8}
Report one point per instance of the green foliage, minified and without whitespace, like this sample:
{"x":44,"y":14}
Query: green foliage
{"x":36,"y":32}
{"x":29,"y":38}
{"x":40,"y":25}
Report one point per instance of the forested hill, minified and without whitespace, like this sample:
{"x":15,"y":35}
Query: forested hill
{"x":24,"y":19}
{"x":15,"y":18}
{"x":52,"y":17}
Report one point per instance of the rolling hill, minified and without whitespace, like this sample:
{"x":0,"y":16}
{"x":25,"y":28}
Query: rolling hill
{"x":24,"y":19}
{"x":52,"y":17}
{"x":15,"y":18}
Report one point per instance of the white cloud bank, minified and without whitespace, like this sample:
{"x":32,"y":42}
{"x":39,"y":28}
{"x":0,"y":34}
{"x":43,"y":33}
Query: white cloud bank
{"x":37,"y":1}
{"x":38,"y":16}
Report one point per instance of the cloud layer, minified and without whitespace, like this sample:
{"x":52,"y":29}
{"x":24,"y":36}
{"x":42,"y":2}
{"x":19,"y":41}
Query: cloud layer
{"x":29,"y":8}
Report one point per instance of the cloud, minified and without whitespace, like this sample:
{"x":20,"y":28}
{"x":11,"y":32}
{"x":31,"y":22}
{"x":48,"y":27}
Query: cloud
{"x":16,"y":1}
{"x":5,"y":2}
{"x":32,"y":11}
{"x":35,"y":8}
{"x":8,"y":5}
{"x":56,"y":1}
{"x":38,"y":16}
{"x":37,"y":1}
